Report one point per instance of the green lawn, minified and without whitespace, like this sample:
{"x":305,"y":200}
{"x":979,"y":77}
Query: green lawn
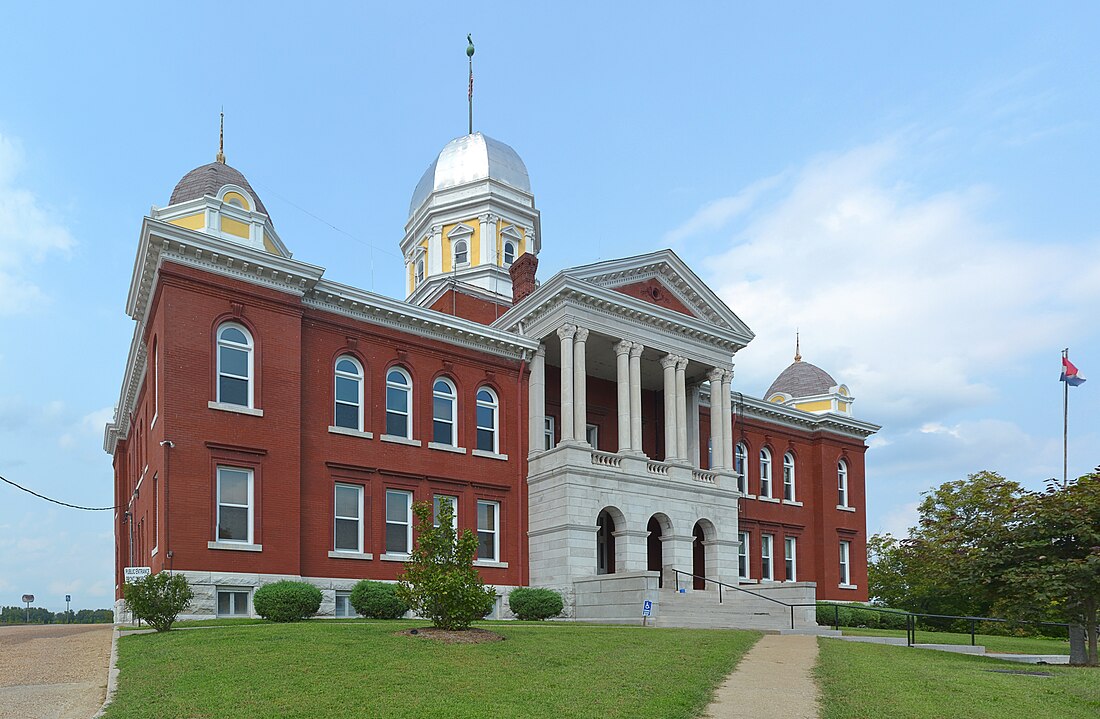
{"x":992,"y":643}
{"x":359,"y":668}
{"x":862,"y":681}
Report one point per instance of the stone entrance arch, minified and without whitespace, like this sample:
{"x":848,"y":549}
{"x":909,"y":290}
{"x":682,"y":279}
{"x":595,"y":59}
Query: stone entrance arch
{"x":702,"y":553}
{"x":609,"y":521}
{"x":659,"y":527}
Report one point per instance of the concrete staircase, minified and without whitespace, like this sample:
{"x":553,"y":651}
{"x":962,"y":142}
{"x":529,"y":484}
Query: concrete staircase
{"x":737,"y":610}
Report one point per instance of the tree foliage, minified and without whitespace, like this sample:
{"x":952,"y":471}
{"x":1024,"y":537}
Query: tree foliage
{"x":158,"y":599}
{"x":440,"y":582}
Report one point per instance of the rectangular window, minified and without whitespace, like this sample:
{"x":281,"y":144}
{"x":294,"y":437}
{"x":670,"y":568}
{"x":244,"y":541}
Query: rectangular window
{"x":343,"y":605}
{"x":743,"y":556}
{"x":488,"y":531}
{"x":398,"y":521}
{"x":710,"y":453}
{"x":592,"y":435}
{"x":788,"y":482}
{"x":740,"y":452}
{"x":235,"y":502}
{"x":348,"y":518}
{"x":548,"y":432}
{"x":845,"y":572}
{"x":790,"y":551}
{"x":842,"y":484}
{"x":156,"y":512}
{"x":156,"y":383}
{"x":232,"y":602}
{"x":453,"y":501}
{"x":766,"y":567}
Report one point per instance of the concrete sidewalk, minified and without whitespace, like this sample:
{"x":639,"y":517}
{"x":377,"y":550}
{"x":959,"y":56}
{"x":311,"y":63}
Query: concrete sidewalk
{"x":774,"y":679}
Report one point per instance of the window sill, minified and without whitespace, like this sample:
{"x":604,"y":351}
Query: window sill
{"x":747,"y":580}
{"x":348,"y":432}
{"x":154,"y":422}
{"x":792,"y":502}
{"x":235,"y":546}
{"x":487,"y":563}
{"x":845,"y":508}
{"x":773,"y":500}
{"x":235,"y":408}
{"x":746,"y":495}
{"x":349,"y":555}
{"x":446,"y":448}
{"x":154,"y":552}
{"x":846,"y":586}
{"x":490,"y":455}
{"x":401,"y":440}
{"x":395,"y":557}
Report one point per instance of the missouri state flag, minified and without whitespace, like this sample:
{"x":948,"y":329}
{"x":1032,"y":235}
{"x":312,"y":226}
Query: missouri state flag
{"x":1070,"y":375}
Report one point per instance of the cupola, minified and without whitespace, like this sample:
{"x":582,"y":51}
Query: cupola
{"x":809,"y":388}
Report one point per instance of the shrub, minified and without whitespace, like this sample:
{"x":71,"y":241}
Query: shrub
{"x":853,"y":615}
{"x":158,"y":599}
{"x":529,"y":603}
{"x":440,"y":581}
{"x":377,"y":600}
{"x":287,"y":601}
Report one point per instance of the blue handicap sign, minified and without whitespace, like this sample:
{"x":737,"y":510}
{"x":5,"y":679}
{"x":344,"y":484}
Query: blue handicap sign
{"x":647,"y":608}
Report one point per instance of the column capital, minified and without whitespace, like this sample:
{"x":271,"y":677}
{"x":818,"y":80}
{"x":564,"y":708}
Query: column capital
{"x":669,"y":361}
{"x":582,"y":334}
{"x":636,"y":349}
{"x":541,"y":351}
{"x":566,"y":332}
{"x":727,"y":375}
{"x":715,"y":376}
{"x":681,"y":364}
{"x":623,"y":347}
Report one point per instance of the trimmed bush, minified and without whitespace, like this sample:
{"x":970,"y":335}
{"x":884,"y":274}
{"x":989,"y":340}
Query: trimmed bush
{"x":286,"y":601}
{"x":377,"y":600}
{"x":158,"y":599}
{"x":529,"y":603}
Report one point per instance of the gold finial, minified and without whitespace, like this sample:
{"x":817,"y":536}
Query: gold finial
{"x":220,"y":157}
{"x":797,"y":353}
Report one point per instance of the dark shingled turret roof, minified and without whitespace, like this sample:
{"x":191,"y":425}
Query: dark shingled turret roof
{"x":801,"y":379}
{"x":207,"y":180}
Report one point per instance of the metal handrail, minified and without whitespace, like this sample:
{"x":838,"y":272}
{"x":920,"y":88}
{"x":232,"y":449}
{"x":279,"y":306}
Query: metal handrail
{"x":677,"y":572}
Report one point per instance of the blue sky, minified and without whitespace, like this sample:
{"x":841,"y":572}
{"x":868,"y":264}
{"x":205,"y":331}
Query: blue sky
{"x":913,"y":188}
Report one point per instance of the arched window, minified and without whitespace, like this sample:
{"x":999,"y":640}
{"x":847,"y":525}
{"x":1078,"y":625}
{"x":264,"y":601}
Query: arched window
{"x":444,"y":411}
{"x":462,"y":253}
{"x":487,"y":415}
{"x":741,"y":465}
{"x":420,"y":270}
{"x":235,"y":365}
{"x":349,"y":393}
{"x":788,"y":477}
{"x":842,"y":483}
{"x":509,"y":253}
{"x":399,"y":403}
{"x":765,"y":473}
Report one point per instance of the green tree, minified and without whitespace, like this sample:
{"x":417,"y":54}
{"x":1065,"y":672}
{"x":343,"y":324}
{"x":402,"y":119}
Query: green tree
{"x":1048,"y":557}
{"x":440,"y":582}
{"x":158,"y":599}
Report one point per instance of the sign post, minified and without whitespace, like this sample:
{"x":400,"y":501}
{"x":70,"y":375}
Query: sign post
{"x":28,"y":598}
{"x":647,"y":611}
{"x":68,"y":598}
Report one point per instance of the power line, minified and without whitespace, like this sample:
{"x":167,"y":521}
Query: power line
{"x":55,"y":501}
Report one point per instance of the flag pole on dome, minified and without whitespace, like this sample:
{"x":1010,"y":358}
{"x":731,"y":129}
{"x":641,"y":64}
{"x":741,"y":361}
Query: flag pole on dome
{"x":1070,"y":376}
{"x":470,"y":94}
{"x":221,"y":139}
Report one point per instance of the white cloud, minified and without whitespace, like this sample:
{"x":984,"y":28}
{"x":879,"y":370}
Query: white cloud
{"x":28,"y":234}
{"x":913,"y":299}
{"x":897,"y":521}
{"x":87,"y":427}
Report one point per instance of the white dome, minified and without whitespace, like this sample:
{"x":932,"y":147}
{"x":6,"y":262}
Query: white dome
{"x":468,"y":159}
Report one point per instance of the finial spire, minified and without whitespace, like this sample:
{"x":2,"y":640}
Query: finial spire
{"x":220,"y":157}
{"x":470,"y":95}
{"x":797,"y":352}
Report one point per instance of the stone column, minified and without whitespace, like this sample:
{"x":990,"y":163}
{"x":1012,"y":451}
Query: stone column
{"x":536,"y":403}
{"x":487,"y":235}
{"x":632,"y":550}
{"x":694,"y":440}
{"x":636,"y":397}
{"x":668,"y":364}
{"x":566,"y":332}
{"x":727,"y":419}
{"x":681,"y":411}
{"x":622,"y":377}
{"x":433,"y":264}
{"x":717,"y":424}
{"x":580,"y":386}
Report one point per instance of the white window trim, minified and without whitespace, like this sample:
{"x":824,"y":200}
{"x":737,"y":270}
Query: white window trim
{"x":454,"y":252}
{"x":743,"y":551}
{"x":250,"y":507}
{"x":767,"y":560}
{"x":250,"y":349}
{"x":350,"y":432}
{"x":359,"y":380}
{"x":742,"y":452}
{"x":156,"y":383}
{"x":340,"y":554}
{"x":504,"y":253}
{"x":359,"y":520}
{"x":453,"y":421}
{"x":346,"y":595}
{"x":766,"y":474}
{"x":397,"y":439}
{"x":418,"y":273}
{"x":548,"y":429}
{"x":788,"y":478}
{"x":489,"y":455}
{"x":224,"y":407}
{"x":790,"y":544}
{"x":594,"y":431}
{"x":234,"y":590}
{"x":844,"y":508}
{"x":454,"y":506}
{"x":846,"y":565}
{"x":408,"y":390}
{"x":388,"y":555}
{"x":842,"y":484}
{"x":495,"y":560}
{"x":235,"y":546}
{"x":494,"y":405}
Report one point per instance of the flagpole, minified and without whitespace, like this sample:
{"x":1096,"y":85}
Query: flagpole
{"x":1065,"y":425}
{"x":470,"y":93}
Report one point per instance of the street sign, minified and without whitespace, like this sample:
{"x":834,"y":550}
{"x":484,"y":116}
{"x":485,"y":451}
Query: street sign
{"x":647,"y":608}
{"x":68,"y":597}
{"x":135,"y":574}
{"x":28,"y":598}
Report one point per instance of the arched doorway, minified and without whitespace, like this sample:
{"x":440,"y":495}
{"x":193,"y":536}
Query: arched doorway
{"x":605,"y":543}
{"x":657,"y":527}
{"x":698,"y":558}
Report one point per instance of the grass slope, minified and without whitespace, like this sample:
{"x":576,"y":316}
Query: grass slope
{"x":861,"y":681}
{"x":992,"y":642}
{"x":336,"y":669}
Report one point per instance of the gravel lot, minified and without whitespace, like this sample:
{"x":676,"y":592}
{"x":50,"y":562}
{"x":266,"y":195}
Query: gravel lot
{"x":55,"y":671}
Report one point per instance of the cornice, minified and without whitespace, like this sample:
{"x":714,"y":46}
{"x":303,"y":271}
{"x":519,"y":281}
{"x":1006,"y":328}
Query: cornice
{"x":119,"y":427}
{"x":798,"y":419}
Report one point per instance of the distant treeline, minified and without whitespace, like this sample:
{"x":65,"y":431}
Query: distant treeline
{"x":40,"y":615}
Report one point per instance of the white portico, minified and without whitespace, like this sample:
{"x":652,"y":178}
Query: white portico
{"x":650,"y":328}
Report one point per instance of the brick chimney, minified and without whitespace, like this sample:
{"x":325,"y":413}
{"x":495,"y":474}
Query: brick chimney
{"x":523,"y":276}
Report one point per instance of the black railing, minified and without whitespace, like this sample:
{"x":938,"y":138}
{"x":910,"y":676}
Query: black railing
{"x":733,"y":586}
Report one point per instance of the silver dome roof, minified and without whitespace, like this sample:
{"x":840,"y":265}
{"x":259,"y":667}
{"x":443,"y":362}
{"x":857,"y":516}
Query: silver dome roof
{"x":801,"y":379}
{"x":468,"y":159}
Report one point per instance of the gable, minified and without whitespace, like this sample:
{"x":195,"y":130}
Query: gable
{"x":655,"y":292}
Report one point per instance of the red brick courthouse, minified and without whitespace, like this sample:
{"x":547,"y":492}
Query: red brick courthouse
{"x":273,"y":424}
